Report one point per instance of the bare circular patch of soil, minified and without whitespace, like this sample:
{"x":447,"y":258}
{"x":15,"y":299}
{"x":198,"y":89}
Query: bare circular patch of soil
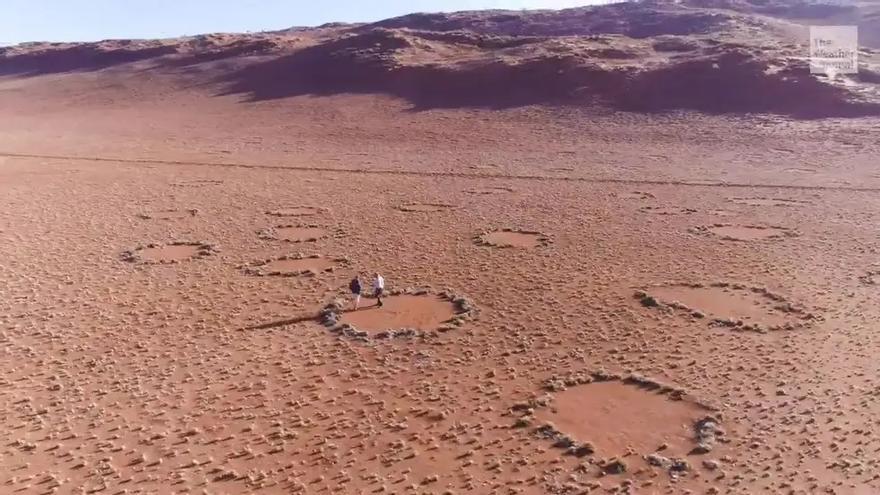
{"x":425,"y":207}
{"x":667,"y":210}
{"x":296,"y":211}
{"x":730,"y":232}
{"x":406,"y":313}
{"x":768,"y":201}
{"x":606,"y":417}
{"x":512,"y":238}
{"x":732,"y":305}
{"x":294,"y":266}
{"x":175,"y":252}
{"x":294,"y":233}
{"x":168,"y":214}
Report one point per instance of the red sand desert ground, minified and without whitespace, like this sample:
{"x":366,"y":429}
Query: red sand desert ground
{"x":609,"y":131}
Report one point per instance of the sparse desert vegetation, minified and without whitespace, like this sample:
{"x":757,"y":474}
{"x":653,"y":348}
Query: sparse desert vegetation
{"x":551,"y":199}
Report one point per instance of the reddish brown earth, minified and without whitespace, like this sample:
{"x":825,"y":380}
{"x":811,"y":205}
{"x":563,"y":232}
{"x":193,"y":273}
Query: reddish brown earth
{"x":400,"y":312}
{"x":121,"y":377}
{"x":618,"y":418}
{"x":724,"y":303}
{"x":511,"y":239}
{"x":169,"y":253}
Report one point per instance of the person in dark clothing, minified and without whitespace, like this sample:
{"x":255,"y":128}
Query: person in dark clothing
{"x":355,"y":288}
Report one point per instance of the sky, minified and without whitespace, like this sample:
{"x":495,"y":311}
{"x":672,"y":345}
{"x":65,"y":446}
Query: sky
{"x":92,"y":20}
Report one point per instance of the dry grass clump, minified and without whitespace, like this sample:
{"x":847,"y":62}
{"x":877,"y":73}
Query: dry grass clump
{"x":613,"y":466}
{"x":766,"y":201}
{"x":667,"y":210}
{"x":870,"y":278}
{"x":675,"y":466}
{"x":636,"y":195}
{"x":559,"y":384}
{"x":296,"y":211}
{"x":197,"y":183}
{"x":490,"y":190}
{"x":707,"y":432}
{"x":168,"y":214}
{"x":425,"y":207}
{"x":646,"y":299}
{"x":262,"y":269}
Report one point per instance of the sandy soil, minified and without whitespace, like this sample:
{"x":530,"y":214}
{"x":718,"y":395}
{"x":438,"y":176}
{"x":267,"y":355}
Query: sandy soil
{"x":416,"y":312}
{"x":618,"y":418}
{"x":139,"y":377}
{"x":511,"y":239}
{"x":724,"y":303}
{"x":121,"y":375}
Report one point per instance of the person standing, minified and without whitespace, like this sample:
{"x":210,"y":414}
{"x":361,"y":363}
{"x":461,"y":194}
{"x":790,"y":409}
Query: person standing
{"x":379,"y":288}
{"x":355,"y":288}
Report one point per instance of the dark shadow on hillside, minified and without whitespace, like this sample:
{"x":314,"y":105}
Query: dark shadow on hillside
{"x":80,"y":58}
{"x":362,"y":65}
{"x":493,"y":86}
{"x":735,"y":82}
{"x":730,"y":82}
{"x":235,"y":49}
{"x":867,"y":76}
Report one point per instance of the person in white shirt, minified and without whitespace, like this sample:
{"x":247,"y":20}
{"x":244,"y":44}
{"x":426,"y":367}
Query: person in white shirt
{"x":379,"y":288}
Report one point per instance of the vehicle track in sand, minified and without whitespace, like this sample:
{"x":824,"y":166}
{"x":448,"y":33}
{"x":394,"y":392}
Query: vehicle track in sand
{"x":595,"y":180}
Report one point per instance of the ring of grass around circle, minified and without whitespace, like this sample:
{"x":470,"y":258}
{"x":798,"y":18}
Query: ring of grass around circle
{"x":465,"y":311}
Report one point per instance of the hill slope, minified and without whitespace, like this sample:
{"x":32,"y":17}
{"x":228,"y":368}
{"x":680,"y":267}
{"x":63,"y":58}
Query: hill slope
{"x":713,"y":56}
